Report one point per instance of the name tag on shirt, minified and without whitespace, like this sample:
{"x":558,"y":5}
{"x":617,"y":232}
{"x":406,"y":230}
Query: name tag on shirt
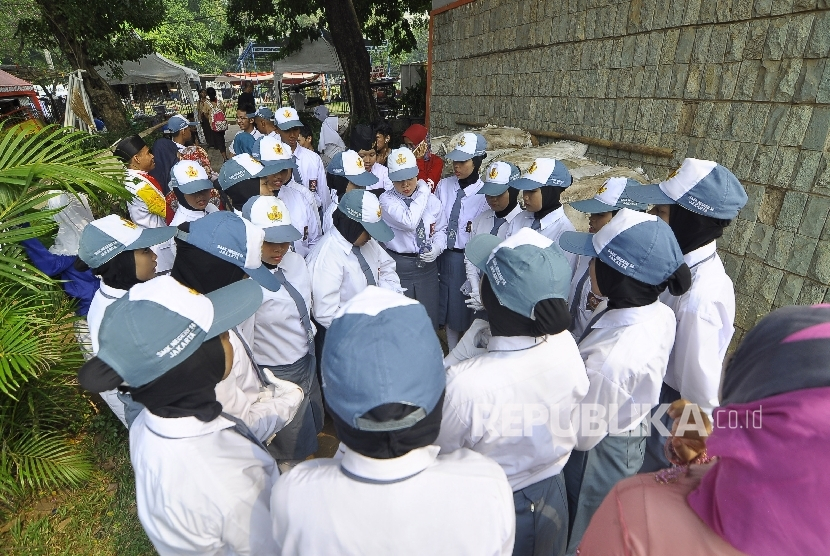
{"x":591,"y":301}
{"x":469,"y":227}
{"x":312,"y":186}
{"x":432,"y":229}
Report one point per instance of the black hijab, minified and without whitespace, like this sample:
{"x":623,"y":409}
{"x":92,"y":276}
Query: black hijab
{"x":694,"y":230}
{"x":348,"y":228}
{"x":240,"y":193}
{"x":390,"y":444}
{"x":338,"y":184}
{"x":187,"y":390}
{"x":181,"y":199}
{"x":119,"y":271}
{"x":514,"y":200}
{"x":552,"y":316}
{"x":473,"y":177}
{"x":550,"y":200}
{"x":200,"y":270}
{"x":623,"y":291}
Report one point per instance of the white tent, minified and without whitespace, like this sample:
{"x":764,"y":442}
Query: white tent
{"x":153,"y":68}
{"x":315,"y":57}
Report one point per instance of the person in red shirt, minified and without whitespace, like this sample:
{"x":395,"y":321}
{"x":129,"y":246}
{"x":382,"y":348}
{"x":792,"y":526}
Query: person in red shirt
{"x":430,"y":166}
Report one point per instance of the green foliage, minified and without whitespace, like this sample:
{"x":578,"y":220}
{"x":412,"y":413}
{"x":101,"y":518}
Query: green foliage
{"x":414,"y":100}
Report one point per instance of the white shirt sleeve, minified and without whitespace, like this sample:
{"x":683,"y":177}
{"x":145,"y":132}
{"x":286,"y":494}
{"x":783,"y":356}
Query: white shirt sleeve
{"x":387,"y":275}
{"x":439,"y":238}
{"x":326,"y":281}
{"x":699,"y":357}
{"x":402,"y":216}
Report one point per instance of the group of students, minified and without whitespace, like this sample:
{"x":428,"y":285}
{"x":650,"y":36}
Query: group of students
{"x":489,"y":450}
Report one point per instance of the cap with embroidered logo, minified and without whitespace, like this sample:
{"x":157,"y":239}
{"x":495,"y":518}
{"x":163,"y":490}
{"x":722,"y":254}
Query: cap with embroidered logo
{"x":498,"y":177}
{"x":402,"y":164}
{"x":363,"y":206}
{"x":239,"y":168}
{"x":635,"y":244}
{"x":523,"y":269}
{"x":287,"y":118}
{"x":263,"y":112}
{"x":233,"y":239}
{"x":544,"y":172}
{"x":177,"y":123}
{"x":189,"y":176}
{"x":158,"y":324}
{"x":470,"y":145}
{"x":106,"y":237}
{"x":357,"y":380}
{"x":350,"y":165}
{"x":273,"y":154}
{"x":612,"y":195}
{"x":701,"y":186}
{"x":271,"y":214}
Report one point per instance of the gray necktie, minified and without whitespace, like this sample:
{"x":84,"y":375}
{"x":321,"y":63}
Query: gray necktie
{"x":590,"y":327}
{"x":497,"y":222}
{"x":296,"y":173}
{"x":241,"y":428}
{"x":577,"y":300}
{"x":298,"y":301}
{"x":452,"y":229}
{"x":537,"y":224}
{"x":420,"y":232}
{"x":364,"y":266}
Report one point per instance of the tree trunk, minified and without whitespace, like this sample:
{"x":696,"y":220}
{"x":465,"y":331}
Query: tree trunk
{"x":104,"y":99}
{"x":347,"y":37}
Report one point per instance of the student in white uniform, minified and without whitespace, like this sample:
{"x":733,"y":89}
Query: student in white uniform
{"x":192,"y":188}
{"x":346,"y":172}
{"x":244,"y":139}
{"x":264,"y":122}
{"x":215,"y":251}
{"x":626,"y":347}
{"x":202,"y":478}
{"x":503,"y":201}
{"x":283,"y":333}
{"x":541,"y":187}
{"x":461,"y":206}
{"x":276,"y":157}
{"x":420,"y":228}
{"x":349,"y":257}
{"x":241,"y":178}
{"x":330,"y":142}
{"x":366,"y":149}
{"x":310,"y":172}
{"x":610,"y":198}
{"x":390,"y":492}
{"x":118,"y":252}
{"x":513,"y":399}
{"x":148,"y":207}
{"x":698,"y":201}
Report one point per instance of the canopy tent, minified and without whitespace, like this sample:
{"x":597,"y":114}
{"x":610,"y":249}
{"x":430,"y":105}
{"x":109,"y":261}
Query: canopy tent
{"x":12,"y":84}
{"x":153,"y":68}
{"x":316,"y":56}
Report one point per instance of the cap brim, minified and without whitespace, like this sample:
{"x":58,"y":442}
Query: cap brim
{"x":97,"y":376}
{"x":578,"y":242}
{"x":457,"y":155}
{"x":282,"y":234}
{"x":271,"y":167}
{"x":233,"y":304}
{"x":650,"y":195}
{"x":364,"y":179}
{"x":264,"y":276}
{"x":493,"y":189}
{"x":251,"y":116}
{"x":526,"y":184}
{"x":152,"y":236}
{"x":404,"y":174}
{"x":290,"y":124}
{"x":592,"y":206}
{"x":479,"y":248}
{"x":379,"y":230}
{"x":195,"y":186}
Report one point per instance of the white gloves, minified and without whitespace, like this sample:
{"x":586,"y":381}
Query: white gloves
{"x":474,"y":303}
{"x":472,"y":344}
{"x":431,"y":255}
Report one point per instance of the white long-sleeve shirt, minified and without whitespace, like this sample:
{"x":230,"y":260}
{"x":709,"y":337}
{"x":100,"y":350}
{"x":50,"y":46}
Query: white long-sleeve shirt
{"x":404,"y":219}
{"x":418,"y":503}
{"x":103,"y":298}
{"x":552,"y":226}
{"x":516,"y":404}
{"x":186,"y":215}
{"x":381,"y":172}
{"x":625,"y":356}
{"x":705,"y":324}
{"x":483,"y":224}
{"x":146,"y":209}
{"x":471,"y":206}
{"x":304,"y":215}
{"x":336,"y":276}
{"x":201,"y":488}
{"x":311,"y":169}
{"x":279,"y":335}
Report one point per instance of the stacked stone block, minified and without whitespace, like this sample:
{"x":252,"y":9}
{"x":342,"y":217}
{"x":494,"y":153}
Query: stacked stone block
{"x":742,"y":82}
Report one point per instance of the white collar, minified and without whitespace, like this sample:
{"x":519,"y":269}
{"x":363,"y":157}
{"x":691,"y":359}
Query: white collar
{"x":698,"y":255}
{"x":341,"y":241}
{"x":298,"y":152}
{"x":179,"y":146}
{"x":517,"y":210}
{"x":186,"y":210}
{"x":389,"y":470}
{"x":514,"y":343}
{"x":552,"y":217}
{"x":183,"y":427}
{"x":471,"y":189}
{"x":616,"y":318}
{"x":109,"y":291}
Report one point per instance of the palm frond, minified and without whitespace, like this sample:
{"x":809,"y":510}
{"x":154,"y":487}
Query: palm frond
{"x":39,"y":461}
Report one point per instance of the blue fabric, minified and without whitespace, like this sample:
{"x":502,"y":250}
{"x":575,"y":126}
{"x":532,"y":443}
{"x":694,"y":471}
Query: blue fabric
{"x":452,"y":309}
{"x":452,"y":229}
{"x":166,"y":154}
{"x":80,"y":285}
{"x":655,"y":455}
{"x":541,"y":518}
{"x":243,"y":143}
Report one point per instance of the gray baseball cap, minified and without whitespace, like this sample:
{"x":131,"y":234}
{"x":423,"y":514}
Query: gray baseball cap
{"x":106,"y":237}
{"x":363,"y":206}
{"x":239,"y":168}
{"x":271,"y":214}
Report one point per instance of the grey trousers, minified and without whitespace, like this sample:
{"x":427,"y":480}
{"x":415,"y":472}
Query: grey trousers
{"x":655,"y":457}
{"x":541,"y":518}
{"x":590,"y":476}
{"x":421,"y":283}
